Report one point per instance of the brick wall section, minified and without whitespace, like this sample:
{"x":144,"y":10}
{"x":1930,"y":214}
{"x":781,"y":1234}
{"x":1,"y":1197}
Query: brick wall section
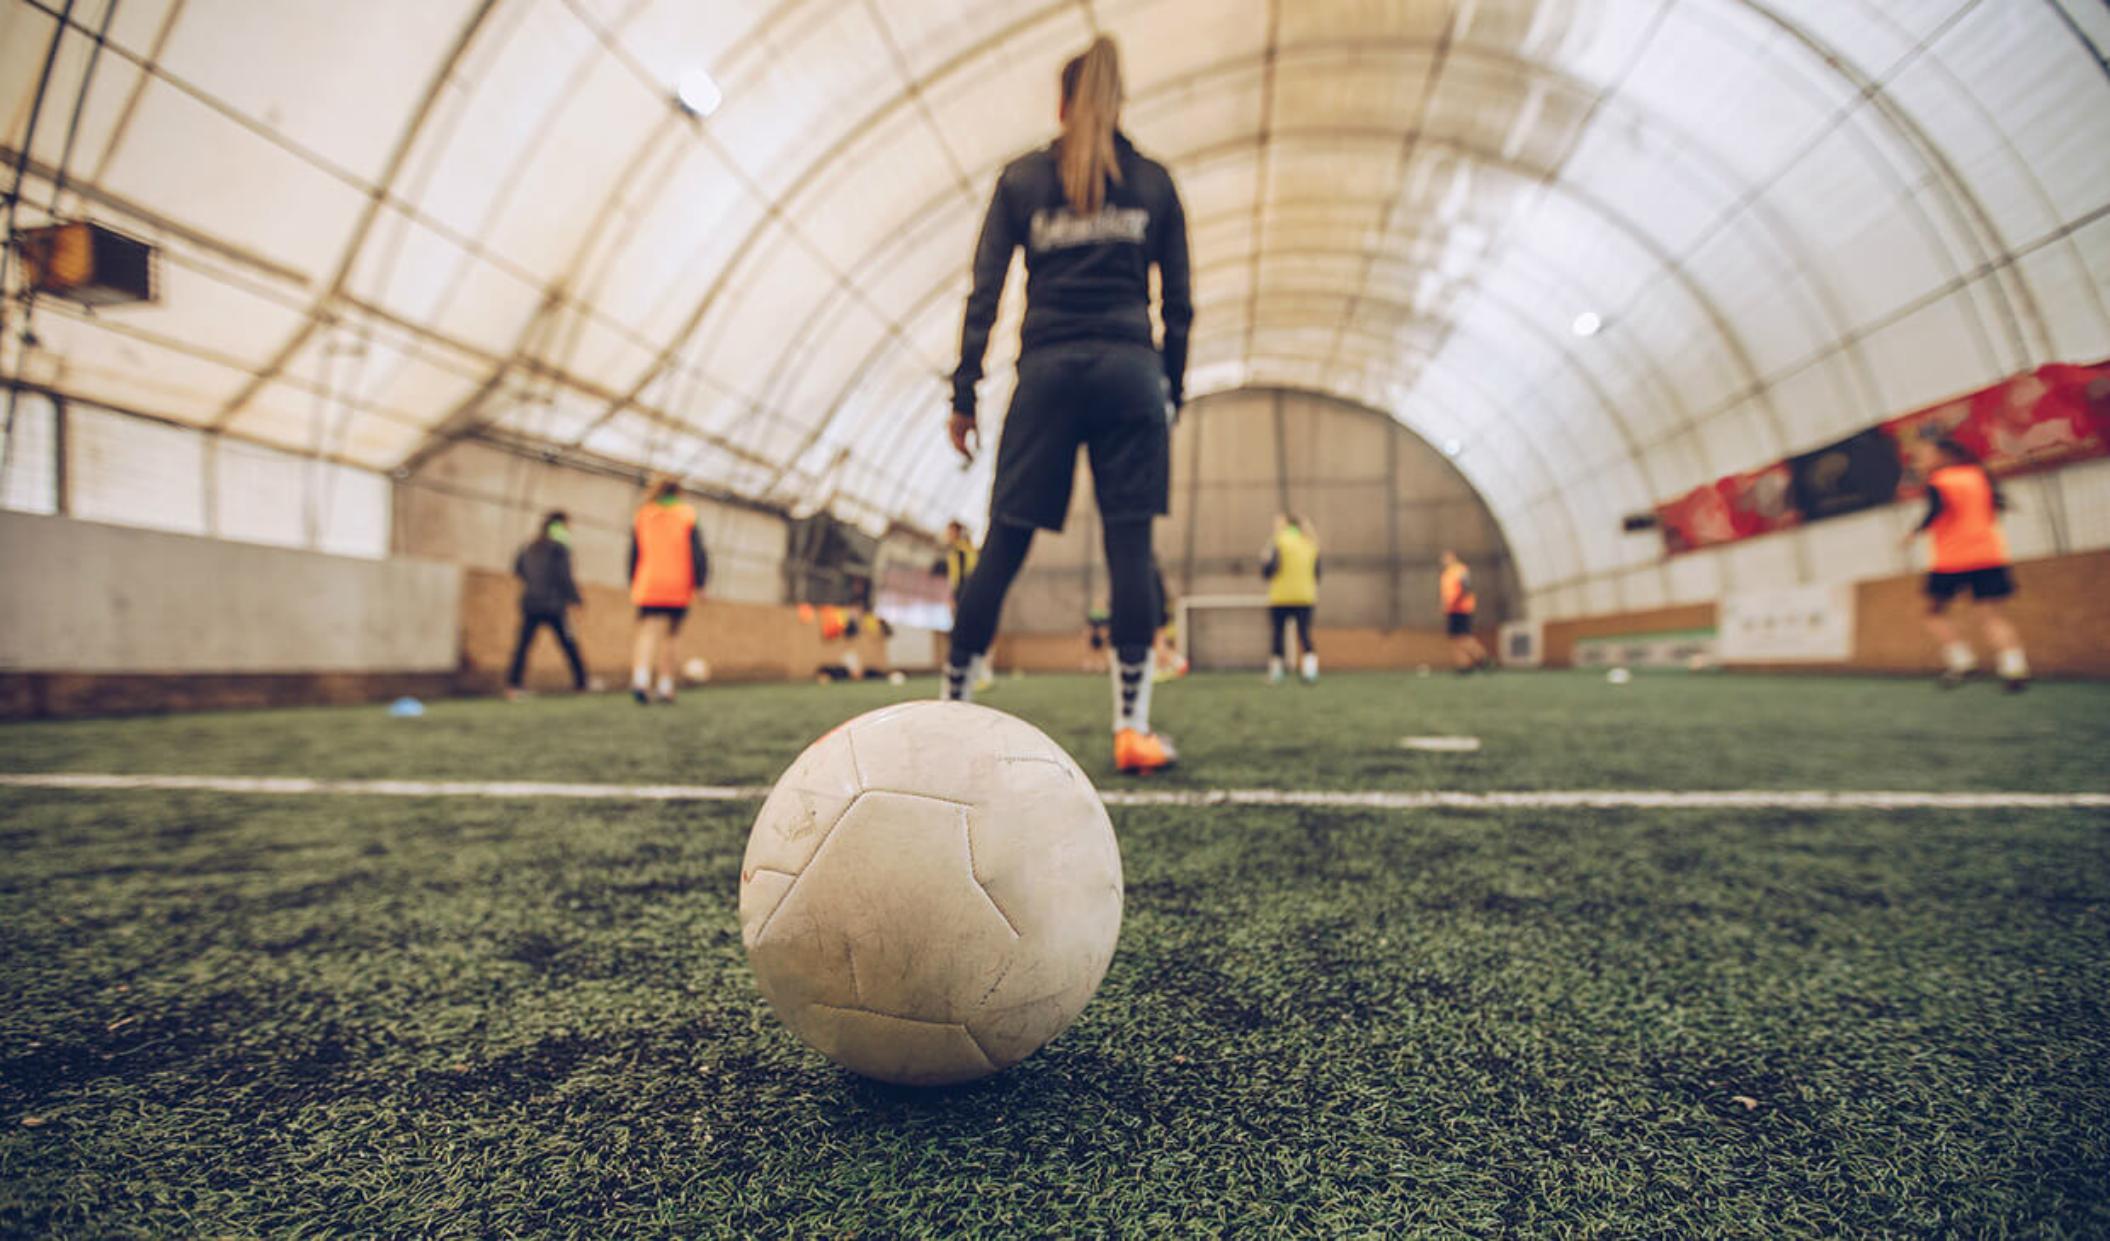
{"x":2061,"y":606}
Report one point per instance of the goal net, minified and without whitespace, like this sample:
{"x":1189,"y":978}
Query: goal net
{"x":1227,"y":631}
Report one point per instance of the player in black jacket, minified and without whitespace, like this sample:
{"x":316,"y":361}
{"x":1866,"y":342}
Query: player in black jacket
{"x":1094,"y":216}
{"x":546,"y":592}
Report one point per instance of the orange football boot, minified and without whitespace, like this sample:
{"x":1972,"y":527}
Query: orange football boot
{"x":1140,"y":753}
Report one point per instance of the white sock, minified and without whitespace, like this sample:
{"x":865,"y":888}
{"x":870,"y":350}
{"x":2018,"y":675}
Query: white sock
{"x":1311,"y":665}
{"x":1274,"y":667}
{"x":666,"y":687}
{"x":960,"y":679}
{"x":2014,"y":665}
{"x":1960,"y":657}
{"x":640,"y":678}
{"x":1132,"y":694}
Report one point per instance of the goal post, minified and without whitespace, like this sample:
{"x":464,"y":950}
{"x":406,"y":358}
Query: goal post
{"x":1226,"y":631}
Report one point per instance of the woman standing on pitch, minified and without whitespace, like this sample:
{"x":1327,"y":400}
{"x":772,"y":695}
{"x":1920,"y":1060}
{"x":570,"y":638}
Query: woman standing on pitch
{"x":1291,"y":566}
{"x":667,"y":570}
{"x":1094,"y":216}
{"x":1969,"y":553}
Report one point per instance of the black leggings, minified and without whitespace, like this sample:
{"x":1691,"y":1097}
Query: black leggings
{"x":529,"y":623}
{"x":1279,"y":618}
{"x":1134,"y":600}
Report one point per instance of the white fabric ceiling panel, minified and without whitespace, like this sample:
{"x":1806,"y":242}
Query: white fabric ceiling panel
{"x":1737,"y":439}
{"x":1190,"y":120}
{"x":786,"y":108}
{"x":891,"y":176}
{"x":825,"y":359}
{"x":225,"y":180}
{"x":993,"y":109}
{"x":930,"y":35}
{"x":510,"y":89}
{"x":1814,"y":402}
{"x":2070,"y":297}
{"x":101,"y":360}
{"x":1401,"y":20}
{"x":488,"y":307}
{"x":24,"y":35}
{"x":669,"y":38}
{"x":776,"y":287}
{"x":1673,"y":461}
{"x":1933,"y":353}
{"x":410,"y":270}
{"x":1163,"y":41}
{"x":292,"y":63}
{"x":2054,"y":118}
{"x":558,"y":201}
{"x":1353,"y":86}
{"x":586,"y":346}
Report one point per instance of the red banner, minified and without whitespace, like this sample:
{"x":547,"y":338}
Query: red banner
{"x":2047,"y":417}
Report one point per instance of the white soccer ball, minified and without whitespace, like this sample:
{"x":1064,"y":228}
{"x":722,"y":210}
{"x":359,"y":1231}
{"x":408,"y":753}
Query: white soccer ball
{"x":696,"y":670}
{"x":897,"y":677}
{"x":1618,"y":676}
{"x":931,"y":893}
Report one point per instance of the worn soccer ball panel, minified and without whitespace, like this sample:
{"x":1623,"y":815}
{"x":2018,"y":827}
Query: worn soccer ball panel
{"x":808,"y":801}
{"x":931,"y":893}
{"x":887,"y":917}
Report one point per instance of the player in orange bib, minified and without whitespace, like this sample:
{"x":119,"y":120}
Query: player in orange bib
{"x":1969,"y":553}
{"x":1459,"y":604}
{"x":667,"y":570}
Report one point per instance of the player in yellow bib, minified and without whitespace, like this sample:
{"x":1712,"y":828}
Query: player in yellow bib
{"x":1291,"y":566}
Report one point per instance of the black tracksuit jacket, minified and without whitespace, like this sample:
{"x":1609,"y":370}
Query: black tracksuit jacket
{"x":1087,"y":277}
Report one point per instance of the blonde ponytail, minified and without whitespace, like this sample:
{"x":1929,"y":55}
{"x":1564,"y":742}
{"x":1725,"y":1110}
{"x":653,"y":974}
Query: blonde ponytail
{"x":1091,"y":103}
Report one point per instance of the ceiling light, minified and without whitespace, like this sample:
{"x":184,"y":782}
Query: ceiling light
{"x":1587,"y":323}
{"x":698,"y":92}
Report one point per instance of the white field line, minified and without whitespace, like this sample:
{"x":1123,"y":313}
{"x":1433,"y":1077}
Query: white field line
{"x":1441,"y":745}
{"x":1524,"y":799}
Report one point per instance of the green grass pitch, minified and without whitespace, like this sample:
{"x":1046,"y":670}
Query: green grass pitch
{"x":246,"y":1015}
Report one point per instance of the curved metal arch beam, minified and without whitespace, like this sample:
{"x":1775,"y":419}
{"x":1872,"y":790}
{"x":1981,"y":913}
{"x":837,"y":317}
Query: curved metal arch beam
{"x":971,"y":57}
{"x":1956,"y":189}
{"x":1749,"y":202}
{"x":1784,"y":238}
{"x":1531,"y":67}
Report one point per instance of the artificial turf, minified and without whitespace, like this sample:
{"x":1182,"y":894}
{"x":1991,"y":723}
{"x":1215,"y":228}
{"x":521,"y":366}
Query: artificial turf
{"x":257,"y":1014}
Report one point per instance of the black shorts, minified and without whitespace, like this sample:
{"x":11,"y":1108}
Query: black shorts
{"x":1105,"y":396}
{"x":1458,"y":624}
{"x":1993,"y":583}
{"x":674,"y":616}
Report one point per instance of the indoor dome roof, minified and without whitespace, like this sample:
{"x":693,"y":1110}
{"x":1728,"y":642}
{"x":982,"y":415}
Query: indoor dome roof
{"x":397,"y":221}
